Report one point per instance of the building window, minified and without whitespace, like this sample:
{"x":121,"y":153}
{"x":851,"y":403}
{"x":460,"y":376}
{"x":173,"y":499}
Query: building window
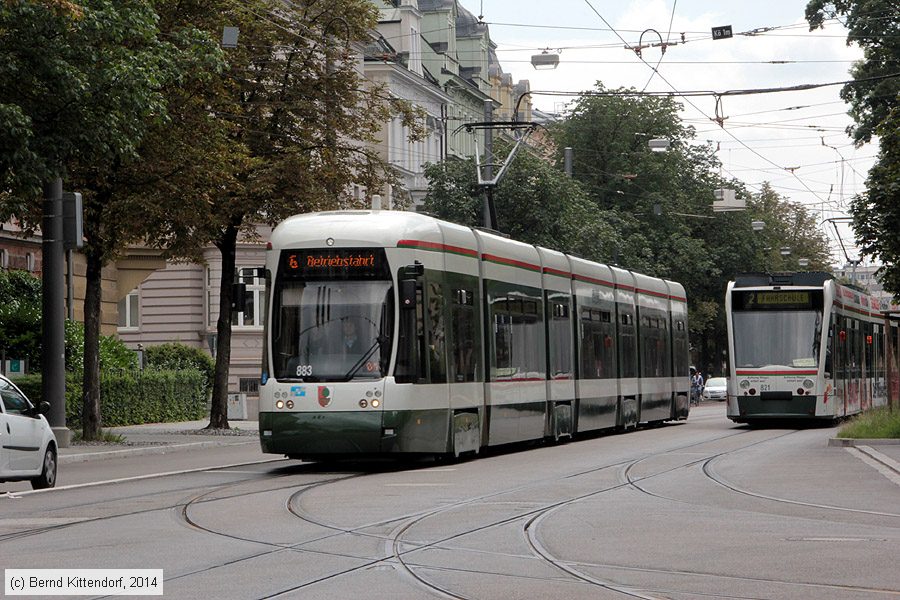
{"x":4,"y":259}
{"x":129,"y":311}
{"x":29,"y":262}
{"x":250,"y":385}
{"x":253,"y":312}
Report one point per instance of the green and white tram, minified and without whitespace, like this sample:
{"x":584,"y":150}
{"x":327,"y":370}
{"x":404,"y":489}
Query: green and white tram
{"x":392,"y":332}
{"x":802,"y":347}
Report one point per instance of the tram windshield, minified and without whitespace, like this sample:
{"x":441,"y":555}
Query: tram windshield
{"x":333,"y":328}
{"x":777,"y":329}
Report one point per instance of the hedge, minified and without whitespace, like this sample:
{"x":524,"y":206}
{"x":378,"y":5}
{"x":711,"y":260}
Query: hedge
{"x":133,"y":397}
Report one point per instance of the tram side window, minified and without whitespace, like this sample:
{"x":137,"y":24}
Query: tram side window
{"x":653,"y":344}
{"x":855,"y":343}
{"x":868,"y":348}
{"x":560,"y":333}
{"x":627,"y":343}
{"x":464,"y":354}
{"x":681,"y":349}
{"x":437,"y":342}
{"x":411,"y":344}
{"x":878,"y":343}
{"x":597,"y":344}
{"x":517,"y":330}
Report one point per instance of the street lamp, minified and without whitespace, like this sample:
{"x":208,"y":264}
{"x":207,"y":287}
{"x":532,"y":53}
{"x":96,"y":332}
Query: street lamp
{"x":545,"y":60}
{"x":785,"y":251}
{"x":758,"y":225}
{"x":803,"y":262}
{"x":659,"y":144}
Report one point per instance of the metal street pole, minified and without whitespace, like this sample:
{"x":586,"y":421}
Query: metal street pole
{"x":568,"y":153}
{"x":53,"y":348}
{"x":489,"y":213}
{"x":889,"y":339}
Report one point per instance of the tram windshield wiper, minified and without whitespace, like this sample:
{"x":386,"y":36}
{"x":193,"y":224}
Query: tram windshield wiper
{"x":364,"y":358}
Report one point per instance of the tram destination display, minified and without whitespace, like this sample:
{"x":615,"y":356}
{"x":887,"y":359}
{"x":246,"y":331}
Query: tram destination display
{"x":777,"y":300}
{"x":334,"y":263}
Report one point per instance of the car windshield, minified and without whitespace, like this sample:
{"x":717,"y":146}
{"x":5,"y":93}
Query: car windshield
{"x":716,"y":382}
{"x":332,"y":330}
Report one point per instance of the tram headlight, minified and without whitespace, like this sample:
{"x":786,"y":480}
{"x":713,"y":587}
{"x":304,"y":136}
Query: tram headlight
{"x":744,"y":384}
{"x":290,"y":404}
{"x":376,"y":403}
{"x":279,"y":404}
{"x":808,"y":384}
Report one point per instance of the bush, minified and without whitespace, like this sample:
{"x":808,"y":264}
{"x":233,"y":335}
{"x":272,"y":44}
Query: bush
{"x":114,"y":354}
{"x":132,"y":397}
{"x":20,"y":316}
{"x":176,"y":356}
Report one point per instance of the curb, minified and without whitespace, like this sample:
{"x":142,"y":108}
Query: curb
{"x":864,"y":447}
{"x":148,"y":450}
{"x":844,"y":442}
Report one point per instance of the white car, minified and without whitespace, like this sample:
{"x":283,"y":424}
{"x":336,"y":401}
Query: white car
{"x":27,"y":444}
{"x":716,"y":388}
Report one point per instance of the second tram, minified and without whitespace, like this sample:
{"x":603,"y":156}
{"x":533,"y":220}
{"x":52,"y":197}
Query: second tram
{"x":393,"y":332}
{"x":802,"y":346}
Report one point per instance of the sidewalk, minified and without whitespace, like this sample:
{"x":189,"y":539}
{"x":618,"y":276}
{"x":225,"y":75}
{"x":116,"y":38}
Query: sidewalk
{"x":162,"y":438}
{"x":884,"y":451}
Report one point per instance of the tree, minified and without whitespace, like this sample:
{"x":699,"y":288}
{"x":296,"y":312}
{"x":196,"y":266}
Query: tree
{"x":535,"y":202}
{"x":298,"y":115}
{"x":873,"y":25}
{"x":876,"y":213}
{"x":80,"y":85}
{"x":874,"y":98}
{"x":660,"y":206}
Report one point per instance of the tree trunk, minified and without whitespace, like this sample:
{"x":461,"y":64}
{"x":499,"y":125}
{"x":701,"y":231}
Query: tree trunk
{"x":90,"y":411}
{"x":218,"y":412}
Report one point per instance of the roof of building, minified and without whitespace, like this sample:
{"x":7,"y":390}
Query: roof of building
{"x":425,"y":5}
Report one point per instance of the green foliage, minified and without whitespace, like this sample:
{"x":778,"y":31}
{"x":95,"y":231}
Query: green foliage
{"x":75,"y":87}
{"x":874,"y":26}
{"x":176,"y":356}
{"x":876,"y":214}
{"x":131,"y":397}
{"x":114,"y":354}
{"x":105,"y":436}
{"x":535,"y":203}
{"x":874,"y":424}
{"x":874,"y":97}
{"x":20,"y":316}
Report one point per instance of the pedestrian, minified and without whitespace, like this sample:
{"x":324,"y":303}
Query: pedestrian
{"x":696,"y":388}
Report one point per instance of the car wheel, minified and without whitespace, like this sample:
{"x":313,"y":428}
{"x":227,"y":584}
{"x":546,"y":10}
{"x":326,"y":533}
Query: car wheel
{"x":47,"y":478}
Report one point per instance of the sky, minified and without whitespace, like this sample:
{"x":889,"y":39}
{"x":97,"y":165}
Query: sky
{"x":795,"y":140}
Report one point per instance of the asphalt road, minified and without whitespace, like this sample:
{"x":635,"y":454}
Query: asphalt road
{"x":702,"y":509}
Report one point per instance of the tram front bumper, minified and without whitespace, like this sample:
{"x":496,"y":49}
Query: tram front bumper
{"x":309,"y":434}
{"x":754,"y":407}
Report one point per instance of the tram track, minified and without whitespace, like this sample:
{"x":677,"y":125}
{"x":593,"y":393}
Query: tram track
{"x":709,"y":472}
{"x":399,"y":548}
{"x":399,"y":551}
{"x":532,"y":534}
{"x":395,"y":553}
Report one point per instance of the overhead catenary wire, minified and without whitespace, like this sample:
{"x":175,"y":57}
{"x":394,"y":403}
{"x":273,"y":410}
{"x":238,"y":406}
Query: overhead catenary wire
{"x":677,"y":93}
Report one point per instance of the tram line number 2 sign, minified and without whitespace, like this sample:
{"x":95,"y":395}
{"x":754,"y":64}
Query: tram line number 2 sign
{"x":721,"y":33}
